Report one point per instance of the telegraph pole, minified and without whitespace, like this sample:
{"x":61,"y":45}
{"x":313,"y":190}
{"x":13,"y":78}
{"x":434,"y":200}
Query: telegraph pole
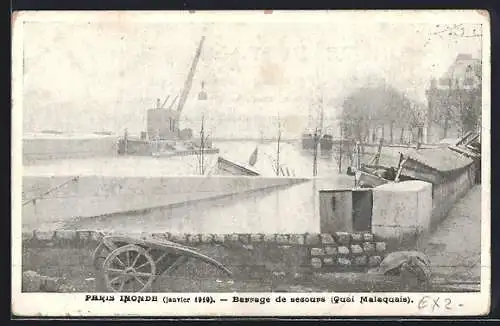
{"x":317,"y":136}
{"x":278,"y":148}
{"x":202,"y":145}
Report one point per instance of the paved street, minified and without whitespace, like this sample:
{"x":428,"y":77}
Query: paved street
{"x":455,"y":247}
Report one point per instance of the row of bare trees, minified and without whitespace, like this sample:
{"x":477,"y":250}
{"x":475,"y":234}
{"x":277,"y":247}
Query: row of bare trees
{"x":457,"y":105}
{"x":381,"y":106}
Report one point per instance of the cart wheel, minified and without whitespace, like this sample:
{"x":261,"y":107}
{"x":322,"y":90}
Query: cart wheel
{"x":99,"y":255}
{"x":129,"y":269}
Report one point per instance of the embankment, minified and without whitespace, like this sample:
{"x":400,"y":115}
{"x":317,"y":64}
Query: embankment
{"x":49,"y":147}
{"x":63,"y":198}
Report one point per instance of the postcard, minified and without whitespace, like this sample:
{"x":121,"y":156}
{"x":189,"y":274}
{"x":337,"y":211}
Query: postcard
{"x":251,"y":163}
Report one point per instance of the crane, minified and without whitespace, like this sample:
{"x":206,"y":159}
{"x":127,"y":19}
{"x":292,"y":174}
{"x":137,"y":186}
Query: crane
{"x":189,"y":80}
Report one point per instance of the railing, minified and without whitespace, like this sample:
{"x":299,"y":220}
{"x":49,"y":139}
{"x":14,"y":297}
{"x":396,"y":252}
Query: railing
{"x":33,"y":200}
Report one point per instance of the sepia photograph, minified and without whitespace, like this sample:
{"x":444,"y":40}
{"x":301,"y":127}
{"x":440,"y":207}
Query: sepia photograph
{"x":230,"y":159}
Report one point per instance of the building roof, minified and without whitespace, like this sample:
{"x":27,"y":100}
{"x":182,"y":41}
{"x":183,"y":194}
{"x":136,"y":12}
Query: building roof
{"x":440,"y":159}
{"x":461,"y":71}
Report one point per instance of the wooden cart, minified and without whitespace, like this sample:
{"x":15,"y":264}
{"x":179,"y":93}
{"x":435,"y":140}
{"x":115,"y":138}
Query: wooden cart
{"x":127,"y":264}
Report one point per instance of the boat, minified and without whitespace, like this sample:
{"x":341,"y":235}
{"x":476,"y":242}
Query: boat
{"x":308,"y":140}
{"x":326,"y":143}
{"x":163,"y":136}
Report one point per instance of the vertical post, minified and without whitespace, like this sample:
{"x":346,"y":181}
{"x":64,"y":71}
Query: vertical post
{"x":358,"y":155}
{"x":278,"y":149}
{"x":125,"y":140}
{"x":315,"y":155}
{"x":202,"y":145}
{"x":340,"y":149}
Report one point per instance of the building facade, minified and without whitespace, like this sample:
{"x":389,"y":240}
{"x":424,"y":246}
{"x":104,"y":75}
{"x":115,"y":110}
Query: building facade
{"x":454,"y":100}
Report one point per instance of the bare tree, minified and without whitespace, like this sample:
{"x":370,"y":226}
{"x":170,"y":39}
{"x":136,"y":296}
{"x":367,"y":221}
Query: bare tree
{"x":202,"y":148}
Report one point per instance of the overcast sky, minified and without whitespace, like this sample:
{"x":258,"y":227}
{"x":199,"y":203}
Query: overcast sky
{"x":93,"y":76}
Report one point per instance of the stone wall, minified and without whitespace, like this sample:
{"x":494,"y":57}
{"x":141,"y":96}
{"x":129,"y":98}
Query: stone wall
{"x":251,"y":255}
{"x":445,"y":195}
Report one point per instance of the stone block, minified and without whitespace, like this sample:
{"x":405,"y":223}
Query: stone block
{"x":317,"y":252}
{"x":400,"y":209}
{"x":380,"y":247}
{"x":344,"y":262}
{"x":96,"y":236}
{"x":206,"y":238}
{"x":296,"y":239}
{"x":316,"y":263}
{"x":357,"y":237}
{"x":256,"y":237}
{"x":331,"y":251}
{"x":360,"y":260}
{"x":368,"y":247}
{"x":312,"y":239}
{"x":34,"y":282}
{"x":244,"y":238}
{"x":193,"y":239}
{"x":374,"y":261}
{"x":65,"y":235}
{"x":248,"y":246}
{"x":356,"y":249}
{"x":26,"y":236}
{"x":343,"y":250}
{"x":179,"y":238}
{"x":269,"y":238}
{"x":343,"y":238}
{"x":31,"y":281}
{"x":232,"y":237}
{"x":327,"y":238}
{"x":161,"y":236}
{"x":282,"y":238}
{"x":219,"y":238}
{"x":84,"y":235}
{"x":44,"y":235}
{"x":50,"y":284}
{"x":328,"y":261}
{"x":368,"y":237}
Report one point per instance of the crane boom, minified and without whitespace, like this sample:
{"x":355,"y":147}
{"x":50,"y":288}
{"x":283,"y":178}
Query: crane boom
{"x":189,"y":79}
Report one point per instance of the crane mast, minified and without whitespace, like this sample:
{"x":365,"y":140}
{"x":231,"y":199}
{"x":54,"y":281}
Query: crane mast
{"x":189,"y":79}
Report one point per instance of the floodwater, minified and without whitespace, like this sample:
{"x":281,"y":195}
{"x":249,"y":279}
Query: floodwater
{"x":292,"y":158}
{"x":291,"y":209}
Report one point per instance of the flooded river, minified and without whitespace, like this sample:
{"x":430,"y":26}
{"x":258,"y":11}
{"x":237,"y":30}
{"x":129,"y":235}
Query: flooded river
{"x":287,"y":209}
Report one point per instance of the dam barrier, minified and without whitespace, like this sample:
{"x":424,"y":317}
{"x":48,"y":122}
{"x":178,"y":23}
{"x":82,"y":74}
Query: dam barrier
{"x":93,"y":195}
{"x":403,"y":212}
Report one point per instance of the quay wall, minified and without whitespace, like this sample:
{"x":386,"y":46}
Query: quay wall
{"x":39,"y":149}
{"x":446,"y":194}
{"x":49,"y":199}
